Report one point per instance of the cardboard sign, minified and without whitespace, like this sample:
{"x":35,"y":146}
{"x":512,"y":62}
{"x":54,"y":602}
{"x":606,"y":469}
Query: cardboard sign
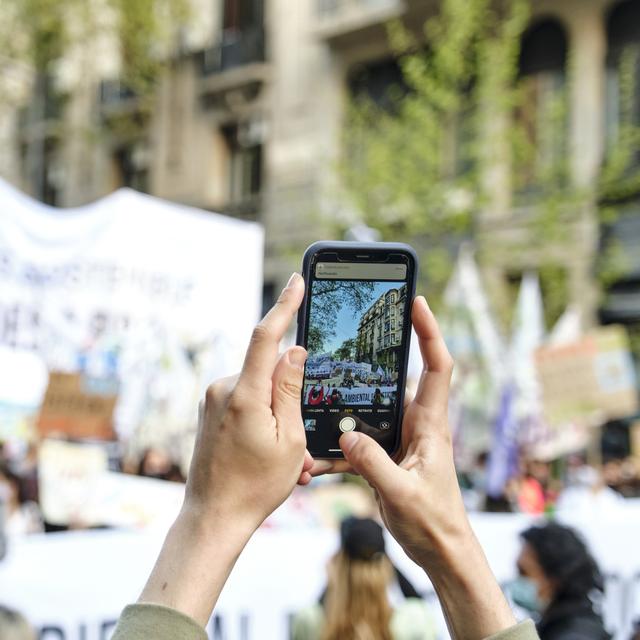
{"x":591,"y":380}
{"x":70,"y":409}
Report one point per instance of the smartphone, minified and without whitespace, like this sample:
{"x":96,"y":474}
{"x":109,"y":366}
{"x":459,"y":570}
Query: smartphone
{"x":355,"y":323}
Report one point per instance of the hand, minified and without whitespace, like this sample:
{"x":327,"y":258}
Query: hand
{"x":418,"y":493}
{"x":250,"y":449}
{"x":249,"y":453}
{"x":419,"y":496}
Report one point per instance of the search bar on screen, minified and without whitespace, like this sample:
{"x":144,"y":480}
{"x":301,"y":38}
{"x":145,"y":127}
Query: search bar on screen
{"x":360,"y":271}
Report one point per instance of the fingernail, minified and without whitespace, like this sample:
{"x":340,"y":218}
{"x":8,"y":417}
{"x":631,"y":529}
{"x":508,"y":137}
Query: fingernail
{"x":348,"y":440}
{"x":297,"y":357}
{"x":424,"y":300}
{"x":293,"y":279}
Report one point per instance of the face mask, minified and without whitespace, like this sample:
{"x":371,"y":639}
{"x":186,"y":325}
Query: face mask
{"x":524,"y":592}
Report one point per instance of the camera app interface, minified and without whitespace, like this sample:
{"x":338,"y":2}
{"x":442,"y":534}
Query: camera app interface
{"x":355,"y":335}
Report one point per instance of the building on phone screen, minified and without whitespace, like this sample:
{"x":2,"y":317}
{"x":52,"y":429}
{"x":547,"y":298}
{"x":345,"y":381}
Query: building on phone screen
{"x":380,"y":330}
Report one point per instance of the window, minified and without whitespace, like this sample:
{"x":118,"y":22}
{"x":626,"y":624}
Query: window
{"x":132,"y":165}
{"x":242,"y":33}
{"x":623,"y":74}
{"x":245,"y":167}
{"x":542,"y":114}
{"x":381,"y":81}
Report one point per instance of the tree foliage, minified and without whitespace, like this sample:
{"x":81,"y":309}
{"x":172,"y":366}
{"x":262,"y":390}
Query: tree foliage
{"x":328,"y":298}
{"x":467,"y":135}
{"x":39,"y":33}
{"x":346,"y":351}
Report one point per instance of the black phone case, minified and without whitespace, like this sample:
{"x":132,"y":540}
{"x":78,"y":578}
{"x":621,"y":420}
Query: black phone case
{"x":338,"y":245}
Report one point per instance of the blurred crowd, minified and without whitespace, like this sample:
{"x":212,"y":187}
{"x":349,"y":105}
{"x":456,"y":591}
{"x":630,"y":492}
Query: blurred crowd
{"x":19,"y":492}
{"x":571,"y":483}
{"x":538,"y":487}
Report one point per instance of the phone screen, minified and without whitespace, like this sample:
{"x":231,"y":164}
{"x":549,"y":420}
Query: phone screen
{"x":356,"y":337}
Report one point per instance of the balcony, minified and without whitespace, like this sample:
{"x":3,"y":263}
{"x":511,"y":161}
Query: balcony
{"x":339,"y":21}
{"x":236,"y":65}
{"x":118,"y":102}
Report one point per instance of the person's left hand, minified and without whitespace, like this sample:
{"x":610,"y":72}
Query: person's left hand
{"x":249,"y":454}
{"x":250,"y":450}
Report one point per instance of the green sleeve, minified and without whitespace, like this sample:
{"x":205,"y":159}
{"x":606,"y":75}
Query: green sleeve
{"x":156,"y":622}
{"x":524,"y":631}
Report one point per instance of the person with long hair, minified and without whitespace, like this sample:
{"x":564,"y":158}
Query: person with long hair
{"x":357,"y":603}
{"x":560,"y":583}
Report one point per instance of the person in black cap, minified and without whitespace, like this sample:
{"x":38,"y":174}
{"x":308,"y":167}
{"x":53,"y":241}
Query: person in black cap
{"x":359,"y":599}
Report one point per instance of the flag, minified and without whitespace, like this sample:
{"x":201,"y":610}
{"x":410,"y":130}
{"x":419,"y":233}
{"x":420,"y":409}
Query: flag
{"x":503,"y":457}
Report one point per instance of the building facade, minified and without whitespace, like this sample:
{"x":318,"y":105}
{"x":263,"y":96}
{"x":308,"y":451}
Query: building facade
{"x":247,"y":121}
{"x":380,"y":330}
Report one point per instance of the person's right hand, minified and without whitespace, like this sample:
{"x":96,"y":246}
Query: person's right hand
{"x":419,"y":496}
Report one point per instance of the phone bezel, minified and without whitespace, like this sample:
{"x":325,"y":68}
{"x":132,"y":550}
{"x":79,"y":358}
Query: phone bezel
{"x":363,"y":252}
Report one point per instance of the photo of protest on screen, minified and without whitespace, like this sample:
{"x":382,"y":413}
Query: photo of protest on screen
{"x":354,"y":338}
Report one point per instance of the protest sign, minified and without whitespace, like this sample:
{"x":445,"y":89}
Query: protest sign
{"x":68,"y":475}
{"x":70,"y":409}
{"x":76,"y":488}
{"x":590,"y":380}
{"x":356,"y":395}
{"x":76,"y":584}
{"x":129,"y":287}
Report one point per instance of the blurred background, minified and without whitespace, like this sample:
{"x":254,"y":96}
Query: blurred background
{"x":164,"y":164}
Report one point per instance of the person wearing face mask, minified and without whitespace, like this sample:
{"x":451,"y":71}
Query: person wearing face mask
{"x":560,"y":583}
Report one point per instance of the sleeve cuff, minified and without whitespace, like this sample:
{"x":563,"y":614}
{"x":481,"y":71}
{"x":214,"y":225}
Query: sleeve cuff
{"x":144,"y":621}
{"x":526,"y":630}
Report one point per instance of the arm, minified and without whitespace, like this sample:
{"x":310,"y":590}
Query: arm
{"x":420,"y":500}
{"x":251,"y":427}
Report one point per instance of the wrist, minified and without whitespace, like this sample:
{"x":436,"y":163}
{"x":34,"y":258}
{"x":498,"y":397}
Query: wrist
{"x":212,"y":525}
{"x":463,"y":579}
{"x":198,"y":554}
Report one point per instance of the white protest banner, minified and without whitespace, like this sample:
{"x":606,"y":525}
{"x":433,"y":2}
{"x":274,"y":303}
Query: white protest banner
{"x":354,"y":395}
{"x":75,"y":584}
{"x":23,"y":380}
{"x":159,"y":296}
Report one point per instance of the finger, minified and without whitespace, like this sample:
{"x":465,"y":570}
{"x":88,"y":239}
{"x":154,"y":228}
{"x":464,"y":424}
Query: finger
{"x":325,"y":467}
{"x":308,"y":461}
{"x":217,"y":396}
{"x":371,"y":461}
{"x":286,"y":391}
{"x":262,"y":354}
{"x":304,"y":479}
{"x":409,"y":395}
{"x":433,"y":389}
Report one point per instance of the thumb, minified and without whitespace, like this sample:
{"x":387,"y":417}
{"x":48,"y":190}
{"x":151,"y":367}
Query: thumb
{"x":286,"y":389}
{"x":370,"y":460}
